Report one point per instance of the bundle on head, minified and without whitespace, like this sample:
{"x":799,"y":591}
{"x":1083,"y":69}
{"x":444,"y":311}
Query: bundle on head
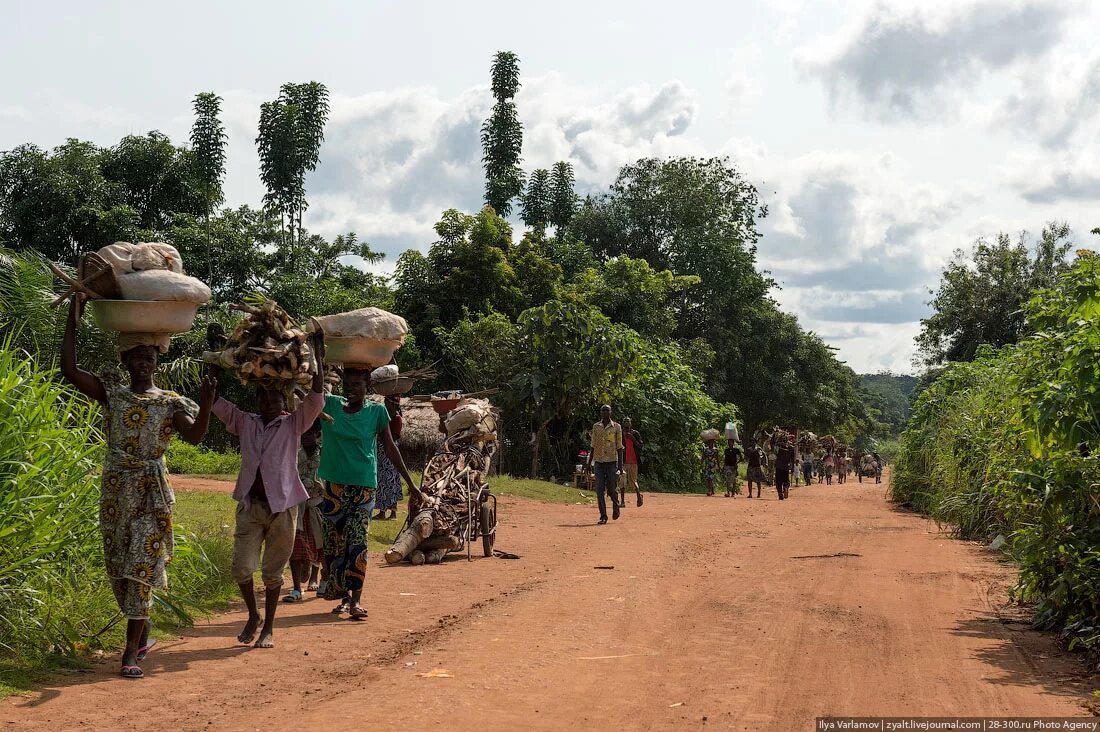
{"x":267,"y":349}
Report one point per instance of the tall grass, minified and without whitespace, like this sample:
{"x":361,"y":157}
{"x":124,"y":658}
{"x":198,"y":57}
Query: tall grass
{"x":49,"y":453}
{"x":187,"y":459}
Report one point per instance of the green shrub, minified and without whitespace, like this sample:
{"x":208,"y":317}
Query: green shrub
{"x":187,"y":459}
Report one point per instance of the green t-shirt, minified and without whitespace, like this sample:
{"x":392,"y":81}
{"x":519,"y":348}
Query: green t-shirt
{"x":348,"y":448}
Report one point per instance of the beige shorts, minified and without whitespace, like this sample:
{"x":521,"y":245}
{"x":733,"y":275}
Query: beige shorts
{"x":256,"y":527}
{"x":628,"y":481}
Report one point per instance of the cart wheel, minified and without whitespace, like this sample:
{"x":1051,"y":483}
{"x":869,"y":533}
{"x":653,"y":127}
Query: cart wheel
{"x":488,"y":527}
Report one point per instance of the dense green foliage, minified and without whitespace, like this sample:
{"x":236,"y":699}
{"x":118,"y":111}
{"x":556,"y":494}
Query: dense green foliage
{"x":1008,"y":444}
{"x":186,"y":459}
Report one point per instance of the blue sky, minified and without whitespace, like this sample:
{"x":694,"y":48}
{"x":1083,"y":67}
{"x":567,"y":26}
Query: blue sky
{"x":882,"y":135}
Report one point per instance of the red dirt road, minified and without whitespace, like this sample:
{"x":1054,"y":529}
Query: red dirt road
{"x":720,"y":613}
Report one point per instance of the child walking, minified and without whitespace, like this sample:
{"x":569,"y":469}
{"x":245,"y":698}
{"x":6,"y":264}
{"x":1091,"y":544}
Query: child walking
{"x":268,"y":492}
{"x":306,"y":559}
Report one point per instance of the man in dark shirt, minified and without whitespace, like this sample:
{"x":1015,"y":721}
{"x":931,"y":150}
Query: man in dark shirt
{"x":784,"y":464}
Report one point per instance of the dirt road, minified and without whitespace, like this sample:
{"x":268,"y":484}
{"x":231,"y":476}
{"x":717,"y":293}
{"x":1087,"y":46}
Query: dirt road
{"x":719,"y":613}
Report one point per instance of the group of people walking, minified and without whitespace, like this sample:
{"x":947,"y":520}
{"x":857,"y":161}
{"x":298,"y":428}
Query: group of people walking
{"x":784,"y":464}
{"x":308,"y":483}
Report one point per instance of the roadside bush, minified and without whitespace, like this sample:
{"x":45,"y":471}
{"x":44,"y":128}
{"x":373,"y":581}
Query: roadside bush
{"x":1008,"y":444}
{"x":186,"y":459}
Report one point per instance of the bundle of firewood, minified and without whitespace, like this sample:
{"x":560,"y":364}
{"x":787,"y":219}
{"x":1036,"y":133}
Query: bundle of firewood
{"x":453,"y":481}
{"x":267,"y":348}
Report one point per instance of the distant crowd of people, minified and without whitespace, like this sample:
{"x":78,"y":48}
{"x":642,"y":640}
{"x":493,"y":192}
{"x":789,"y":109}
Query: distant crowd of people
{"x":776,"y":458}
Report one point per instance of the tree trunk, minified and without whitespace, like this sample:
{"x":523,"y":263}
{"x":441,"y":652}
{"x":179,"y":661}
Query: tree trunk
{"x":410,"y":538}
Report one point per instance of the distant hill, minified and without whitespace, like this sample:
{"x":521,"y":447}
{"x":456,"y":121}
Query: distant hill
{"x":889,"y":395}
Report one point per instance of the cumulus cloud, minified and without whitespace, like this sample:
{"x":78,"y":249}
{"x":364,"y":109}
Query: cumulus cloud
{"x":902,"y":63}
{"x":392,"y":162}
{"x":1056,"y":101}
{"x":851,"y":245}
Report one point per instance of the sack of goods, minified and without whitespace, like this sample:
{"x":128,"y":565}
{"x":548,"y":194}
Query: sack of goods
{"x":268,"y":349}
{"x":471,"y":421}
{"x":367,"y":337}
{"x":731,"y":432}
{"x":709,"y":435}
{"x":147,"y":296}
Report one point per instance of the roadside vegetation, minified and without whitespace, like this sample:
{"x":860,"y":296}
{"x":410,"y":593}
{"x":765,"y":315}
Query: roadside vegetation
{"x":1005,"y":448}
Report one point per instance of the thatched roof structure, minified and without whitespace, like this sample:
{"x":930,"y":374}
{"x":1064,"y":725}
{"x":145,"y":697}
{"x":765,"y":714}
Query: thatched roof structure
{"x":420,"y":436}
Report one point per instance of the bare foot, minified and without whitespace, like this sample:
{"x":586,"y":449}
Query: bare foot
{"x":267,"y":639}
{"x":249,"y":631}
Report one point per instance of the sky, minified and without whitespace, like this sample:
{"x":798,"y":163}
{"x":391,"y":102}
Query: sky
{"x":882,"y":135}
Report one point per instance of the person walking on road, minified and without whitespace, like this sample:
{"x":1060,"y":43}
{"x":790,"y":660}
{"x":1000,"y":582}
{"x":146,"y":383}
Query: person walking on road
{"x":710,"y":462}
{"x":730,"y":459}
{"x":784,"y":466}
{"x":756,"y":459}
{"x":607,"y":454}
{"x":632,"y":459}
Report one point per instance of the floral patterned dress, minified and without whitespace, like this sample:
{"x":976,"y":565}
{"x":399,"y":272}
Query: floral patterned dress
{"x":710,"y":462}
{"x":135,"y":504}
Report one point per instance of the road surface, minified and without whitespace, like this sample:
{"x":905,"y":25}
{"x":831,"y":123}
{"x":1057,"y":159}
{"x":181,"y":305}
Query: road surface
{"x":692,"y":612}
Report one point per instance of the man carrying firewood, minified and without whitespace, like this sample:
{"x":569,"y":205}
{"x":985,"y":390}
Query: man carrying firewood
{"x":607,"y":454}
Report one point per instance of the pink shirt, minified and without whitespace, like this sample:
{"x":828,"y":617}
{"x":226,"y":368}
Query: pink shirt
{"x":271,"y":449}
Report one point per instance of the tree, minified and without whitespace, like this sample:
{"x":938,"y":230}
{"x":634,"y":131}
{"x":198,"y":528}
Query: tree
{"x":502,"y":136}
{"x":472,"y":266}
{"x":239,"y":244}
{"x":535,"y":204}
{"x":480,"y":351}
{"x":563,"y":200}
{"x":80,"y":197}
{"x":289,"y":142}
{"x":980,"y":297}
{"x":156,"y":179}
{"x":693,"y":216}
{"x":208,"y":141}
{"x":567,"y":353}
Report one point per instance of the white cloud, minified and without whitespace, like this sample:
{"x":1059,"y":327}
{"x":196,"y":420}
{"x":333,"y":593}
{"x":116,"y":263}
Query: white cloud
{"x":903,"y":63}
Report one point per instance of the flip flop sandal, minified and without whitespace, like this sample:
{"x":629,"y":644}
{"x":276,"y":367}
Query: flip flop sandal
{"x":312,"y":588}
{"x":342,"y":608}
{"x":357,"y":613}
{"x":144,"y":650}
{"x":131,"y":672}
{"x":293,"y":596}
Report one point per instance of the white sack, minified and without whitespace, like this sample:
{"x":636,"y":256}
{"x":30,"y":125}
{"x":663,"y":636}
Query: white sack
{"x":162,"y":284}
{"x":365,"y":323}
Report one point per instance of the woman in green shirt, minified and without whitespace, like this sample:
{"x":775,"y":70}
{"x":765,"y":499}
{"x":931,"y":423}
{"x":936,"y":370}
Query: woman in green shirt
{"x":348,"y":464}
